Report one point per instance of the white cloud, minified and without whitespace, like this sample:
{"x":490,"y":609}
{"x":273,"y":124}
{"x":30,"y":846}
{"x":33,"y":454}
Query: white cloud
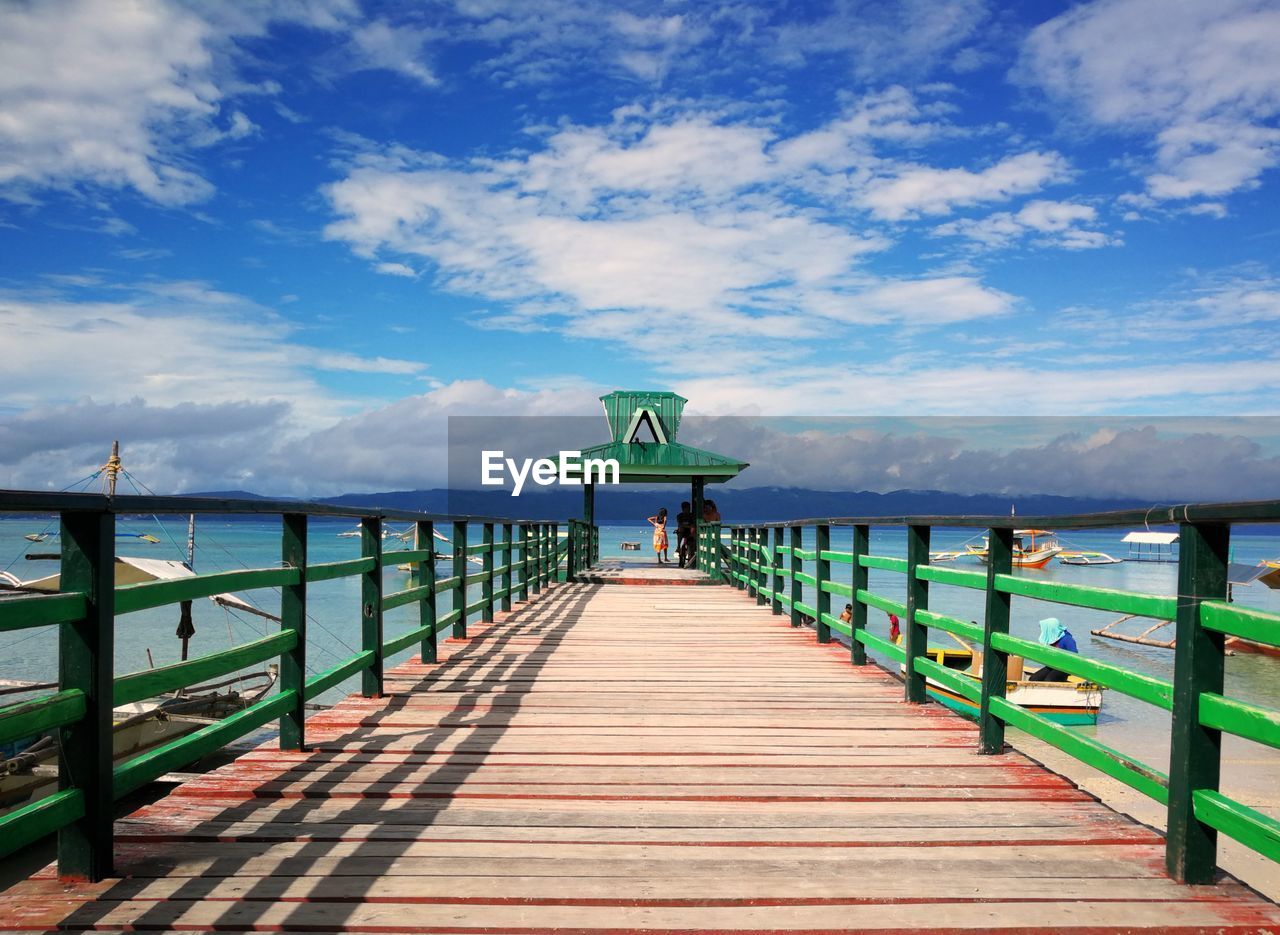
{"x":662,"y":215}
{"x":915,"y":190}
{"x":380,"y":45}
{"x":1202,"y":78}
{"x":1064,"y":224}
{"x":167,"y":343}
{"x":118,"y":95}
{"x":396,"y":269}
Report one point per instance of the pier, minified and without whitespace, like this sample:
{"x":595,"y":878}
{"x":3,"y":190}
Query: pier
{"x":610,"y":758}
{"x":562,"y":741}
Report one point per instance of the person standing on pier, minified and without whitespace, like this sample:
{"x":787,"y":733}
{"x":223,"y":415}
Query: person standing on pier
{"x":684,"y":535}
{"x":660,"y":544}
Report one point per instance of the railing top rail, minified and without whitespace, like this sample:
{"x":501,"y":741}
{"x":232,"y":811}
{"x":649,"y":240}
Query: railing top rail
{"x":1253,"y":511}
{"x":34,"y":501}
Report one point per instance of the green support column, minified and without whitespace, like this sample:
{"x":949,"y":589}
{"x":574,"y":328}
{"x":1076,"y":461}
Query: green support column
{"x":995,"y":663}
{"x":696,"y":501}
{"x":1195,"y":750}
{"x":797,"y":566}
{"x":86,"y":656}
{"x":507,"y":561}
{"x":371,"y":606}
{"x":751,"y":555}
{"x":555,"y":553}
{"x":713,"y":556}
{"x":586,"y":554}
{"x":761,"y":572}
{"x":458,"y":542}
{"x":524,"y":562}
{"x":776,"y":567}
{"x":735,"y":556}
{"x":861,"y":547}
{"x":822,"y":600}
{"x":427,"y":611}
{"x":486,"y":586}
{"x":293,"y":616}
{"x":917,"y":635}
{"x":537,"y":558}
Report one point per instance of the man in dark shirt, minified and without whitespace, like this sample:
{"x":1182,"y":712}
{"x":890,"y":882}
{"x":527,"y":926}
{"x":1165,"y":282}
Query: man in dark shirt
{"x":684,"y":535}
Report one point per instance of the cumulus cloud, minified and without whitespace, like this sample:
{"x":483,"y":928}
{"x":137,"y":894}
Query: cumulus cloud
{"x":1105,"y":457}
{"x":915,"y":190}
{"x":1065,"y":224}
{"x":665,"y":214}
{"x":116,"y":95}
{"x":1202,"y":80}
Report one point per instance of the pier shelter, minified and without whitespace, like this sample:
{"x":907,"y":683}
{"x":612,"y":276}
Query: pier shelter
{"x":643,"y":425}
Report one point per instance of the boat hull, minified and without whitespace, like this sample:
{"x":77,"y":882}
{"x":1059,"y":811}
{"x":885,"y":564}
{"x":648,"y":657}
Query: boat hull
{"x":1057,"y":713}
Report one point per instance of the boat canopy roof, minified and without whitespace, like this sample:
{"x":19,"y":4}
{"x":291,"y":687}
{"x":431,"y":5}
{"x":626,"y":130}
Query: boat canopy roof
{"x":1152,"y":538}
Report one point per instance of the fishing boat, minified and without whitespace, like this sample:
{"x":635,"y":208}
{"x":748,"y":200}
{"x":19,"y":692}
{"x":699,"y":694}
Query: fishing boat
{"x":1032,"y":548}
{"x":1073,"y":702}
{"x":29,"y":767}
{"x":1073,"y":557}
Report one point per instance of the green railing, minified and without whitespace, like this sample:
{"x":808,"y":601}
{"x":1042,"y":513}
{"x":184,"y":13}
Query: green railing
{"x":582,"y":547}
{"x":768,"y":562}
{"x":523,"y":560}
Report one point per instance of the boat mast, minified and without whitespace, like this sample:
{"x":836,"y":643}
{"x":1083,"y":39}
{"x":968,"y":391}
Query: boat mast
{"x":112,"y":469}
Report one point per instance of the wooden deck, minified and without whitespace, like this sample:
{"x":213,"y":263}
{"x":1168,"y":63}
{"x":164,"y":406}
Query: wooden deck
{"x":657,"y":759}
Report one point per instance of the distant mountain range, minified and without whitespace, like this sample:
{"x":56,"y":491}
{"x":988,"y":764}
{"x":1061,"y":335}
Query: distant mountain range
{"x":752,"y":504}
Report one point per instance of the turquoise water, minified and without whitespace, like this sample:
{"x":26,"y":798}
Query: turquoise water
{"x":147,"y":637}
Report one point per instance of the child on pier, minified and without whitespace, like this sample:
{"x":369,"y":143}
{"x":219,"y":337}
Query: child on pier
{"x":660,"y":544}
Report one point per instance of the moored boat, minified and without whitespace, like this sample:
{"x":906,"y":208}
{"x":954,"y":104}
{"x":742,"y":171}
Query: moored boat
{"x":1073,"y":702}
{"x":1032,"y":548}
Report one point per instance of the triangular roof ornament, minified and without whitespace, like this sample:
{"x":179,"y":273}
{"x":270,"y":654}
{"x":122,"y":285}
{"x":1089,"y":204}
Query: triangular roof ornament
{"x":641,"y":417}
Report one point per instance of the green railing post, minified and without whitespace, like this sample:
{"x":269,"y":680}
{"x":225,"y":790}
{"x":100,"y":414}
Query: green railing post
{"x":822,"y":600}
{"x":1195,"y":750}
{"x":775,"y":564}
{"x":458,"y":542}
{"x":486,"y":564}
{"x":427,"y":606}
{"x":293,"y":616}
{"x":524,"y":562}
{"x":995,"y":663}
{"x":506,"y":572}
{"x":861,"y":547}
{"x":713,"y":552}
{"x":797,"y":567}
{"x":917,"y":635}
{"x":371,"y":605}
{"x":760,"y":573}
{"x":751,"y":556}
{"x":86,"y":658}
{"x":555,"y":552}
{"x":735,"y":550}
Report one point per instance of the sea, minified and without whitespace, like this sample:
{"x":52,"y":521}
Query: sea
{"x":146,"y":638}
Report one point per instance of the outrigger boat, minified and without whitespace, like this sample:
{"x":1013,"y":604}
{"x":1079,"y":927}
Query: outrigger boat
{"x":1087,"y":558}
{"x":1026,"y":554}
{"x":28,"y":767}
{"x":1075,"y":701}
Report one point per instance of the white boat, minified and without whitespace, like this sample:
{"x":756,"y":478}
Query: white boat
{"x":1032,"y":548}
{"x":1087,"y":558}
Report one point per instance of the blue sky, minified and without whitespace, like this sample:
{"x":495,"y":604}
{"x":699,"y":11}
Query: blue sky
{"x":275,"y":244}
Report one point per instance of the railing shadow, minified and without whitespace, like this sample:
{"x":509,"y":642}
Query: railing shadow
{"x":547,"y":618}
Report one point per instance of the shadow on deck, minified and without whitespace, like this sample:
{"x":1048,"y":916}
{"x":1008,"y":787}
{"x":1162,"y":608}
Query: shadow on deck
{"x":659,"y":759}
